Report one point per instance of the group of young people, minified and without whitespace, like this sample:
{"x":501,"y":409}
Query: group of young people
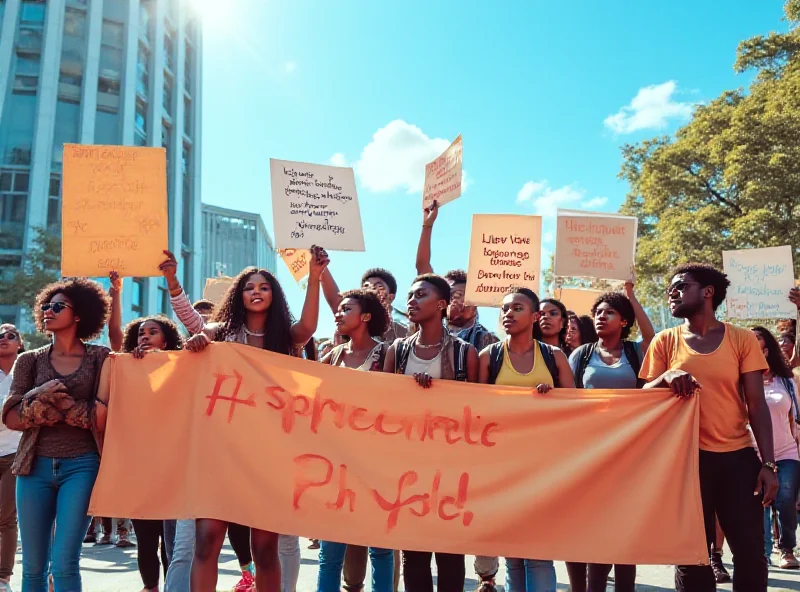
{"x":57,"y":397}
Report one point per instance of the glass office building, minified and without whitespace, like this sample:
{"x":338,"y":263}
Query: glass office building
{"x":98,"y":72}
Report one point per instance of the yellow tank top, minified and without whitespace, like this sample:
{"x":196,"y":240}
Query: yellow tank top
{"x":539,"y":374}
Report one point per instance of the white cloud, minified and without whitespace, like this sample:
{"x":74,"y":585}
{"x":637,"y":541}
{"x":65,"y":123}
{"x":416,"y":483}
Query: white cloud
{"x":594,"y":203}
{"x":545,"y":200}
{"x":548,"y":237}
{"x":289,"y":67}
{"x":396,"y":158}
{"x":338,"y":160}
{"x":653,"y":107}
{"x":529,"y":189}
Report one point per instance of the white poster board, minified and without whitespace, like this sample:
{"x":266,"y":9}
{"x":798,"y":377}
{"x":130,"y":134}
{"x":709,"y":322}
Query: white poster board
{"x":505,"y":252}
{"x":760,"y":283}
{"x":443,"y":176}
{"x":315,"y":204}
{"x":594,"y":244}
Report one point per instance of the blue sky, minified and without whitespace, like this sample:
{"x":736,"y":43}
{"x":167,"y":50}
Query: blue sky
{"x":544,"y":94}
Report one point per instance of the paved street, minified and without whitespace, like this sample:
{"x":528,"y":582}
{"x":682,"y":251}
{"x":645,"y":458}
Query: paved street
{"x":108,"y":569}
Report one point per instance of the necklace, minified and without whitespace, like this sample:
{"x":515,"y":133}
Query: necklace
{"x":250,"y":333}
{"x":430,"y":346}
{"x":522,"y":353}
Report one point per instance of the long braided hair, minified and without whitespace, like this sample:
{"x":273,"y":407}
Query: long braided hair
{"x":231,"y":313}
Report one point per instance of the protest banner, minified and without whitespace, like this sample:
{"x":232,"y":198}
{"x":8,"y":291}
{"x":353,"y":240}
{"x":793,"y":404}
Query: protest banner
{"x":592,"y":244}
{"x":760,"y":283}
{"x":504,"y":253}
{"x":371,"y":459}
{"x":443,"y":176}
{"x":315,"y":204}
{"x":113,"y":210}
{"x":298,"y":262}
{"x":216,"y":288}
{"x":578,"y":300}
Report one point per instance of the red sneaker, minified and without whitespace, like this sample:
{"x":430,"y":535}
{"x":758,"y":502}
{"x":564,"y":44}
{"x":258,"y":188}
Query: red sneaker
{"x":246,"y":584}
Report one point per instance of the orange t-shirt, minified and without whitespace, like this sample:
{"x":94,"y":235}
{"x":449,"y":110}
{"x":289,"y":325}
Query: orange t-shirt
{"x":723,"y":412}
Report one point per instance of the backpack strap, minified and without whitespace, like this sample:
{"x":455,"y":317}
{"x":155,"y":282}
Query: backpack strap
{"x":495,"y":361}
{"x":789,"y":385}
{"x":586,"y":353}
{"x":549,"y":355}
{"x":460,"y":349}
{"x":633,"y":359}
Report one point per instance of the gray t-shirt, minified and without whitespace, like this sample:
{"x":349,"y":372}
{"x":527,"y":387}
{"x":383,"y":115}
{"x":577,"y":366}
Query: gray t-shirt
{"x":599,"y":375}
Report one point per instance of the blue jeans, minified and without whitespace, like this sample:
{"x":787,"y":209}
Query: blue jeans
{"x":180,"y":558}
{"x":785,"y":504}
{"x":530,"y":575}
{"x":331,"y":561}
{"x":57,"y":490}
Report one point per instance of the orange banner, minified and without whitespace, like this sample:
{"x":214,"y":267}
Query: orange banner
{"x":293,"y":446}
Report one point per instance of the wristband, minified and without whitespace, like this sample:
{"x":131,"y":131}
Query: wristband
{"x":771,"y":466}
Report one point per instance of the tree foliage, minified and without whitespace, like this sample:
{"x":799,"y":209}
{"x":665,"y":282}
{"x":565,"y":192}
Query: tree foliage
{"x":730,"y":178}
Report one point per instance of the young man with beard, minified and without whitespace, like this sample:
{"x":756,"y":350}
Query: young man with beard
{"x":725,"y":365}
{"x":462,"y":320}
{"x":380,"y":280}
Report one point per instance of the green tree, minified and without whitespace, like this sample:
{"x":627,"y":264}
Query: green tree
{"x":730,"y":178}
{"x":40,"y":268}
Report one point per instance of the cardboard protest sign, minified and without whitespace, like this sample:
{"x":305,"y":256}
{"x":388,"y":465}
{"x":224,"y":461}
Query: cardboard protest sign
{"x":113,"y":210}
{"x":504,"y":253}
{"x":297,"y":260}
{"x":578,"y":300}
{"x":315,"y":204}
{"x":443,"y":176}
{"x":216,"y":288}
{"x":760,"y":283}
{"x":598,"y":245}
{"x":368,"y":458}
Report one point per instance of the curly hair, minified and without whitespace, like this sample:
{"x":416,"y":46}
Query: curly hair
{"x":231,"y":313}
{"x":621,"y":304}
{"x":706,"y":275}
{"x":775,"y":360}
{"x":456,"y":276}
{"x":370,"y":304}
{"x":170,"y":330}
{"x":90,"y":304}
{"x":382,"y":274}
{"x":562,"y":334}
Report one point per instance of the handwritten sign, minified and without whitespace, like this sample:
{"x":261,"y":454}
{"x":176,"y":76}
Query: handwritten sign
{"x":216,"y":288}
{"x":297,"y":260}
{"x":443,"y":176}
{"x":113,"y":210}
{"x":315,"y":204}
{"x":504,"y":253}
{"x":370,"y":459}
{"x":760,"y":283}
{"x":578,"y":300}
{"x":590,"y":244}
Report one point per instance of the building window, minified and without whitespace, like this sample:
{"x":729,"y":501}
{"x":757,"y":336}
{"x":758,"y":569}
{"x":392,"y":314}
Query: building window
{"x":145,"y":21}
{"x":187,"y":116}
{"x":167,"y":103}
{"x":143,"y":73}
{"x":13,"y":205}
{"x":137,"y":296}
{"x":188,"y":64}
{"x":163,"y":297}
{"x":16,"y":133}
{"x":67,"y":129}
{"x":169,"y":51}
{"x":112,"y":39}
{"x":73,"y":49}
{"x":54,"y":204}
{"x":26,"y":74}
{"x":186,"y":198}
{"x":141,"y":119}
{"x":187,"y":271}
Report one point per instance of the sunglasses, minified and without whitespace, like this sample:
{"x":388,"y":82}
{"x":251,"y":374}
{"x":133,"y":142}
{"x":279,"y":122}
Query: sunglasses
{"x":680,"y":287}
{"x":56,"y":307}
{"x":10,"y":335}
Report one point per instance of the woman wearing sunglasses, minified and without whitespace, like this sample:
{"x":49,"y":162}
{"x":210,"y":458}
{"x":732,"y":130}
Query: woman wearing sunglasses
{"x":10,"y":347}
{"x":52,"y":402}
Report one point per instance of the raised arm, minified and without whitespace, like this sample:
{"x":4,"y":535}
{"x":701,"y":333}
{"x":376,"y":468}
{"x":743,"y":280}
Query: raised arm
{"x":115,"y":320}
{"x":181,"y":304}
{"x":330,"y":290}
{"x":645,"y":326}
{"x":424,"y":247}
{"x":304,"y":329}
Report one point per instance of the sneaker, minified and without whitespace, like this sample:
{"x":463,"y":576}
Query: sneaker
{"x":123,"y":542}
{"x":486,"y":586}
{"x":721,"y":574}
{"x":5,"y":586}
{"x":246,"y":584}
{"x":314,"y":544}
{"x":104,"y":540}
{"x":788,"y":560}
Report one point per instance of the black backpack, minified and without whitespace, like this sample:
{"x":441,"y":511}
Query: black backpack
{"x":496,"y":353}
{"x":460,"y":348}
{"x":586,"y":352}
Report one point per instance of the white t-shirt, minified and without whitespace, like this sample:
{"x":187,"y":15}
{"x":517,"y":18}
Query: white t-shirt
{"x":9,"y":439}
{"x":432,"y":368}
{"x":780,"y":406}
